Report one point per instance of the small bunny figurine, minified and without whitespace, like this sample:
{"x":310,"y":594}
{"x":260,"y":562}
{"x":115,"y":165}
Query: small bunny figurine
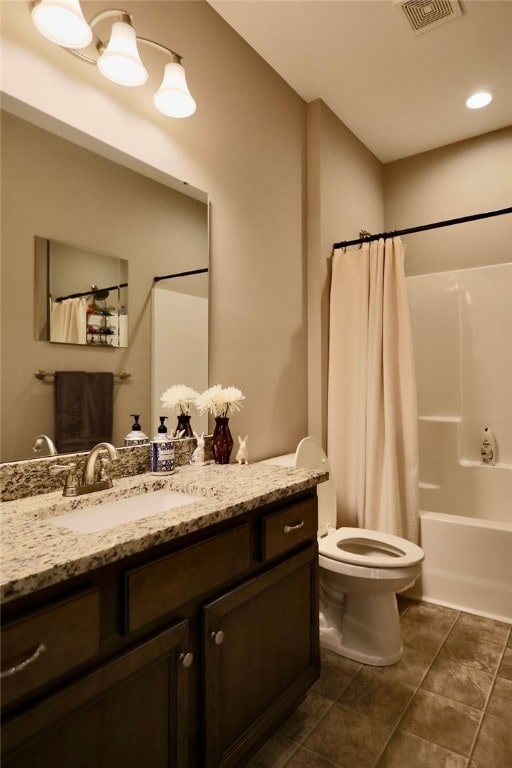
{"x":242,"y":455}
{"x":198,"y":455}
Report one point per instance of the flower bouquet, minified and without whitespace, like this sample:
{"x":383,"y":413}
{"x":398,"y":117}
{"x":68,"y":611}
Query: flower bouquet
{"x":179,"y":399}
{"x":221,"y":402}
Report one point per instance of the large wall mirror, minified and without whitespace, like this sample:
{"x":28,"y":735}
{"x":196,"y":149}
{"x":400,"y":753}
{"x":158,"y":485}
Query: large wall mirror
{"x":57,"y":190}
{"x":81,"y":296}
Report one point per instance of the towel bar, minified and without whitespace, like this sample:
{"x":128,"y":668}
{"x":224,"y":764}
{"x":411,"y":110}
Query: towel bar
{"x":39,"y":374}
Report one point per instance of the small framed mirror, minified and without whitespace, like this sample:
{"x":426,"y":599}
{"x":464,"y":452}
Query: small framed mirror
{"x":81,"y":296}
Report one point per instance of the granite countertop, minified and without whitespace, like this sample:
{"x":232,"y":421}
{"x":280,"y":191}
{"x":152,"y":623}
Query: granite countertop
{"x":37,"y":552}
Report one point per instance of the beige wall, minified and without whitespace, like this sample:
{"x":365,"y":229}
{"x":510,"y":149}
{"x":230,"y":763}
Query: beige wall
{"x":460,"y":179}
{"x":60,"y":191}
{"x":246,"y":147}
{"x":345,"y":195}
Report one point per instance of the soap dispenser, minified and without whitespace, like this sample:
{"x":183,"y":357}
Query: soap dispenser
{"x":162,"y":451}
{"x":136,"y":436}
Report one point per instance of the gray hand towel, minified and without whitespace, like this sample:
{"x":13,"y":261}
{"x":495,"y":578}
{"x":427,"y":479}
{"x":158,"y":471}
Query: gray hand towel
{"x":83,"y":409}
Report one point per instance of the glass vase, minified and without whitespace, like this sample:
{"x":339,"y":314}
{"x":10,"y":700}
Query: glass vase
{"x":222,"y":442}
{"x":183,"y":426}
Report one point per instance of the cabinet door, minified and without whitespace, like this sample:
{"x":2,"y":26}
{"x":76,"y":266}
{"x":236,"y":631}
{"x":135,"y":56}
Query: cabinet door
{"x":261,"y":652}
{"x":128,"y":713}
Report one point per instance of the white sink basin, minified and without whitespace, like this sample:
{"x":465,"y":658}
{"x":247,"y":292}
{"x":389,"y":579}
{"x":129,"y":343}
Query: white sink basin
{"x":100,"y":517}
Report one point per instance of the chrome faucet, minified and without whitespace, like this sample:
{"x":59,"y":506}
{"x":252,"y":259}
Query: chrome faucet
{"x":91,"y":481}
{"x":41,"y":441}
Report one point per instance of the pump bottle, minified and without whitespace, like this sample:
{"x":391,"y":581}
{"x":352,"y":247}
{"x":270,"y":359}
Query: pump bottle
{"x":162,"y":451}
{"x":136,"y":436}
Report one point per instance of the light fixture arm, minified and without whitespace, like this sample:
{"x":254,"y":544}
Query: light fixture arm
{"x":97,"y":42}
{"x":174,"y":56}
{"x":127,"y":18}
{"x":108,"y":13}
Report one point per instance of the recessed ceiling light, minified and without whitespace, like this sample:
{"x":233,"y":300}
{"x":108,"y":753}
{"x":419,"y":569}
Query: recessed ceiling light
{"x":478,"y":100}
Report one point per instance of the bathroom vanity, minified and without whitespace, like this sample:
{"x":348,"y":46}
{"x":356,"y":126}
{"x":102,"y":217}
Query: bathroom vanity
{"x":179,"y":640}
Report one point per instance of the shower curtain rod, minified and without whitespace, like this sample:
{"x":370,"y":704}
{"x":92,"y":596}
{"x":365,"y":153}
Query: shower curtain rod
{"x":423,"y":228}
{"x":180,"y":274}
{"x":91,"y":293}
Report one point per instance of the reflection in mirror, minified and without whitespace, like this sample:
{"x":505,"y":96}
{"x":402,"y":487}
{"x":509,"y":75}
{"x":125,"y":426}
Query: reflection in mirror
{"x":81,"y":296}
{"x":111,"y":204}
{"x":179,"y":340}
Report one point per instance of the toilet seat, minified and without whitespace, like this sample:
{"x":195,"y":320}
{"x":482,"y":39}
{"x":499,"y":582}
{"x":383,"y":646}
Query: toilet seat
{"x":371,"y":549}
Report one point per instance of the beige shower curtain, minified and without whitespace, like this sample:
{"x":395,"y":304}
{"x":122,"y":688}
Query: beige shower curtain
{"x":68,"y":321}
{"x":372,"y":414}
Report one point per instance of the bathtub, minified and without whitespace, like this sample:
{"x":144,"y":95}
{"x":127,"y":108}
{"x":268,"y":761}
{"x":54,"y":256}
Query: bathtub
{"x":462,"y":334}
{"x":468,"y":549}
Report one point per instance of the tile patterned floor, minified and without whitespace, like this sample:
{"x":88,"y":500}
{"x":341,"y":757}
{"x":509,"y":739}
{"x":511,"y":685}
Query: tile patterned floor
{"x":446,"y":704}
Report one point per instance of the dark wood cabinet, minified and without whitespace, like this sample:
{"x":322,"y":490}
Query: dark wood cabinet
{"x":261,"y":654}
{"x":130,"y":712}
{"x":188,"y":655}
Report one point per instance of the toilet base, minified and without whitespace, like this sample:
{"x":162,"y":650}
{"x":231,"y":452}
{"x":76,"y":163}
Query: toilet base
{"x":369,"y":631}
{"x":334,"y":643}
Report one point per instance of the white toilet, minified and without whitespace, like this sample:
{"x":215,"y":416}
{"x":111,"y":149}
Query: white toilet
{"x":360,"y":572}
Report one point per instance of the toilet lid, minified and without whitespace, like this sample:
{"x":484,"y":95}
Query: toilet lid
{"x":376,"y":549}
{"x":310,"y":455}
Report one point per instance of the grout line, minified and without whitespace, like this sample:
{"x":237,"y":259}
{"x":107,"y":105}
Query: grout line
{"x":300,"y":744}
{"x":457,"y":617}
{"x":486,"y":704}
{"x":395,"y":729}
{"x":477,"y":734}
{"x":287,"y":761}
{"x":416,"y":689}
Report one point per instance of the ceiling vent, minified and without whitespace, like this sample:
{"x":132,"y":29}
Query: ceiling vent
{"x":424,"y":15}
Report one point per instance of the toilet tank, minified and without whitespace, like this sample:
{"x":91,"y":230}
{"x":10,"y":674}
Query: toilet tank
{"x":310,"y":455}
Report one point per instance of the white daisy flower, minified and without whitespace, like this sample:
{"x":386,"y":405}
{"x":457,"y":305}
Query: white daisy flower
{"x":179,"y":399}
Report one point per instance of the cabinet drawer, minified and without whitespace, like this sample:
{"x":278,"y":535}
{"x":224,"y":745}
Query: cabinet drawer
{"x":290,"y":526}
{"x":153,"y":590}
{"x":48,"y":643}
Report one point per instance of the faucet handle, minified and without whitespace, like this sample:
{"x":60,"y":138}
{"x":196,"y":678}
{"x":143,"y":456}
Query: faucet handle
{"x":103,"y":473}
{"x":71,"y":482}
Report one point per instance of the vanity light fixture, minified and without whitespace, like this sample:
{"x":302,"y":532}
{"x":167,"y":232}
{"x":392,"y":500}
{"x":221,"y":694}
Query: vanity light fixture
{"x":62,"y":22}
{"x":479,"y":100}
{"x":120,"y":60}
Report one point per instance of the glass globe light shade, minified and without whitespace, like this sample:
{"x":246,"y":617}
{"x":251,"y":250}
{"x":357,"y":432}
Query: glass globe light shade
{"x":173,"y":97}
{"x":62,"y":22}
{"x":120,"y":61}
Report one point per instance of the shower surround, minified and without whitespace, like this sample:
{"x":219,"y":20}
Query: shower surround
{"x":462,"y":335}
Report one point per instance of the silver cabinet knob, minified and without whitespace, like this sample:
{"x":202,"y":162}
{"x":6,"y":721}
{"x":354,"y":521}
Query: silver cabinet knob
{"x":186,"y":659}
{"x":217,"y":637}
